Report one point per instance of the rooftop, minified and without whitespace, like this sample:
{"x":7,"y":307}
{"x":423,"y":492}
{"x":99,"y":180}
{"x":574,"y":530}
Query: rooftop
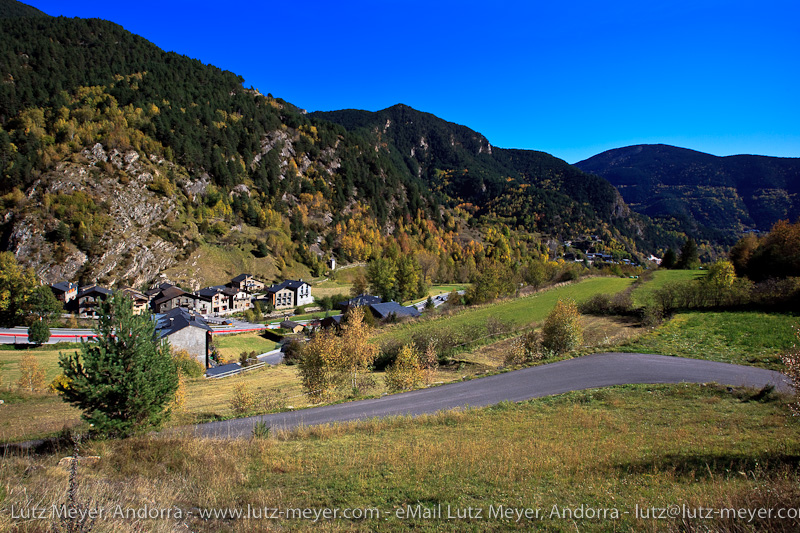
{"x":176,"y":320}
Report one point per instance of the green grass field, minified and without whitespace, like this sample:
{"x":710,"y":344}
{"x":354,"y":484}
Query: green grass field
{"x":46,"y":357}
{"x":614,"y":449}
{"x":230,"y":346}
{"x":643,"y":292}
{"x":742,"y":337}
{"x":516,"y":313}
{"x":309,"y":316}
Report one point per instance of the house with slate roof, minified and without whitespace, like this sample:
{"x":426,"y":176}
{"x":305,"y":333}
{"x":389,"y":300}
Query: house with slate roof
{"x":171,"y":298}
{"x":65,"y":291}
{"x":185,"y":331}
{"x":358,"y":301}
{"x":222,"y":300}
{"x":88,"y":298}
{"x":387,"y":310}
{"x":247,"y":283}
{"x":140,"y":301}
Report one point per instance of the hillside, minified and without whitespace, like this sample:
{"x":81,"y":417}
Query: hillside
{"x":12,"y":8}
{"x":719,"y":196}
{"x":119,"y":161}
{"x":522,"y":187}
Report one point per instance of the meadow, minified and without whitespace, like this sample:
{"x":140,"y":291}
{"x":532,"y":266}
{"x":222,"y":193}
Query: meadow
{"x":644,"y":291}
{"x":512,"y":313}
{"x":591,"y":452}
{"x":741,"y":337}
{"x":232,"y":345}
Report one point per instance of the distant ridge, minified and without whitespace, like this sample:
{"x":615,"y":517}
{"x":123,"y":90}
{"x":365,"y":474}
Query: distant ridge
{"x":722,"y":196}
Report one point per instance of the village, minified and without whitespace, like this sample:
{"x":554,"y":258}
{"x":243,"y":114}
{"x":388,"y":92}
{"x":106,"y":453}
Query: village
{"x":189,"y":320}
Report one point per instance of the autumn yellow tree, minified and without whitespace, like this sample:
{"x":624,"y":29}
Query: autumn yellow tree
{"x":330,"y":360}
{"x":31,"y":374}
{"x":720,"y":278}
{"x":318,"y":365}
{"x":179,"y":403}
{"x":357,"y":353}
{"x":16,"y":285}
{"x":406,"y":372}
{"x":562,"y":330}
{"x":429,"y":361}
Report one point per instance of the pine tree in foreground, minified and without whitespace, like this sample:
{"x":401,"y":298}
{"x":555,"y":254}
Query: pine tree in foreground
{"x":125,"y":379}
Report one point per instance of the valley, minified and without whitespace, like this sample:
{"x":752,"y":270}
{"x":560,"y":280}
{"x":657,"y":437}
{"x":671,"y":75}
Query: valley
{"x":376,"y":319}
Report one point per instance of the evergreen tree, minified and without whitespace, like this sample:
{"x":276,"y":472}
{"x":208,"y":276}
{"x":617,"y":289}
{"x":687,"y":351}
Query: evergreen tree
{"x":669,"y":259}
{"x":689,"y":258}
{"x":39,"y":332}
{"x":125,"y":379}
{"x":381,"y":274}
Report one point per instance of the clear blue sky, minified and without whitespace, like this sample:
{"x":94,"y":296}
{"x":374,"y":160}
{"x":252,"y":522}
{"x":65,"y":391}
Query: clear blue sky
{"x":570,"y":78}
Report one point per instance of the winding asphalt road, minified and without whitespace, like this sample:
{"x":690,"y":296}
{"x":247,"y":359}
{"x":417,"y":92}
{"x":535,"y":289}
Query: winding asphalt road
{"x":591,"y":371}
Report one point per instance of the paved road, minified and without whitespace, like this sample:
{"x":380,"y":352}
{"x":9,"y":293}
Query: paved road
{"x":598,"y":370}
{"x":19,"y":335}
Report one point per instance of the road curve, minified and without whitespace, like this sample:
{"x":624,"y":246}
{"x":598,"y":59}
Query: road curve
{"x":588,"y":372}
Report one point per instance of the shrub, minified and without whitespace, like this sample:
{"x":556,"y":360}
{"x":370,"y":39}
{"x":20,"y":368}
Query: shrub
{"x":599,"y":304}
{"x":388,"y":353}
{"x":179,"y":402}
{"x":248,"y":358}
{"x":651,"y":315}
{"x":59,"y":382}
{"x":791,"y":362}
{"x":525,"y":349}
{"x":496,"y":326}
{"x":429,"y":361}
{"x":292,"y":351}
{"x":446,"y":339}
{"x":562,"y":331}
{"x":406,"y":372}
{"x":243,"y":401}
{"x":261,"y":430}
{"x":187,"y":364}
{"x":31,"y":374}
{"x":453,"y":298}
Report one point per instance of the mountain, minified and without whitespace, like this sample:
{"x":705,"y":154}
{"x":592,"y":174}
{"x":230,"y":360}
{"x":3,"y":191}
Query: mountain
{"x":715,"y":198}
{"x":524,"y":188}
{"x":120,"y":162}
{"x":14,"y":9}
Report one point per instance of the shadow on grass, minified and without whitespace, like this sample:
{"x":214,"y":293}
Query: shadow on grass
{"x":711,"y":465}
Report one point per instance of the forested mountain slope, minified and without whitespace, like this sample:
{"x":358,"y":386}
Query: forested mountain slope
{"x":523,"y":187}
{"x":119,"y":161}
{"x":720,"y":196}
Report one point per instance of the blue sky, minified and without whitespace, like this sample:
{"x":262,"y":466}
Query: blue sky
{"x":569,"y":78}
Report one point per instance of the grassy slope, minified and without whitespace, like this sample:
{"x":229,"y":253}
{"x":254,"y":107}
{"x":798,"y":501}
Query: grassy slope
{"x":230,"y":346}
{"x":613,"y":448}
{"x":660,"y":278}
{"x":517,"y":312}
{"x":213,"y":265}
{"x":744,"y":337}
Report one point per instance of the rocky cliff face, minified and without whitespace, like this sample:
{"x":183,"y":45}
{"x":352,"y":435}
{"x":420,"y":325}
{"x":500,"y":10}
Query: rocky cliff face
{"x":129,"y":250}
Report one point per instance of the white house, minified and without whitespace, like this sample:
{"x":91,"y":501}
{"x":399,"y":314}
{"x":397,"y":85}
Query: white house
{"x":290,"y":293}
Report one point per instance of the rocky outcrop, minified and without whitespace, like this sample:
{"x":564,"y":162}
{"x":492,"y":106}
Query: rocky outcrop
{"x":129,"y":249}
